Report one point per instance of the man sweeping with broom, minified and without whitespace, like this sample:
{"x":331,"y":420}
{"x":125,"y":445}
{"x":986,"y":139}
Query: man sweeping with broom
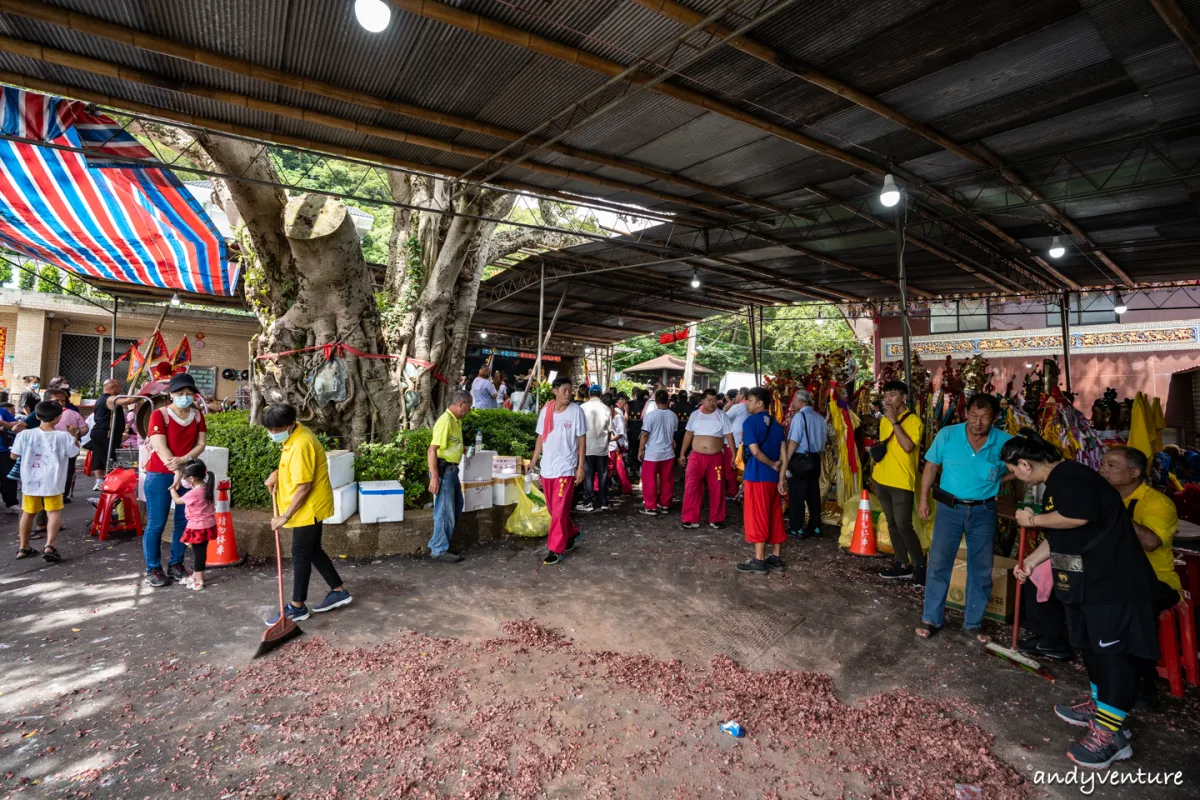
{"x":303,"y":497}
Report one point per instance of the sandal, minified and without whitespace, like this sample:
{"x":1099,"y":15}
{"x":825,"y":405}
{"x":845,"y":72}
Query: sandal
{"x":980,"y":635}
{"x":926,"y":631}
{"x":26,"y":552}
{"x":38,"y":534}
{"x":51,"y":555}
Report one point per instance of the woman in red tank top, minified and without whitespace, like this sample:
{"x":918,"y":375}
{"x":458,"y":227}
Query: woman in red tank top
{"x":177,"y":435}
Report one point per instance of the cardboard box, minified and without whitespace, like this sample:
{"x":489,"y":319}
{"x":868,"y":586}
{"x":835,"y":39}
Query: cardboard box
{"x":380,"y":501}
{"x":341,"y":467}
{"x":345,"y":504}
{"x":1004,"y":587}
{"x":477,"y":468}
{"x":505,"y":488}
{"x":477,"y":495}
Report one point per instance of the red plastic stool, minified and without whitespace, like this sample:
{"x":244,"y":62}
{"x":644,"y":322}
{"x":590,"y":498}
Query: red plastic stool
{"x":1169,"y":665}
{"x":120,"y":486}
{"x":1187,"y":638}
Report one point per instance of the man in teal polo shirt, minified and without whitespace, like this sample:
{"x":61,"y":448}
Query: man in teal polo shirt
{"x":968,"y":456}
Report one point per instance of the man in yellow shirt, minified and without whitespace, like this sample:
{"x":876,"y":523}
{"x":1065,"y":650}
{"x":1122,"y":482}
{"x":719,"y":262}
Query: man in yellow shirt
{"x":895,"y":478}
{"x":444,"y":456}
{"x":1155,"y":521}
{"x":303,"y":498}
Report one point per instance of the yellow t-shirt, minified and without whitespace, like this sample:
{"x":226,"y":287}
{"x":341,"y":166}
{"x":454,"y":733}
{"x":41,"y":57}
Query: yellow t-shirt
{"x":447,"y":435}
{"x":303,"y":461}
{"x":1157,"y":512}
{"x":898,"y":469}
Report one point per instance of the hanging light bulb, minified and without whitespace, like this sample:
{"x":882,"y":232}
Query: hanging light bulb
{"x":891,"y":193}
{"x":1057,"y":250}
{"x":820,"y":317}
{"x":374,"y":15}
{"x":175,"y":299}
{"x":696,"y":279}
{"x":620,"y":322}
{"x":1119,"y":303}
{"x":483,"y":334}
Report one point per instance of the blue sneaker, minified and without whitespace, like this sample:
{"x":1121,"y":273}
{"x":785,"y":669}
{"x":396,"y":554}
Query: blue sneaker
{"x":333,"y":600}
{"x":293,"y":613}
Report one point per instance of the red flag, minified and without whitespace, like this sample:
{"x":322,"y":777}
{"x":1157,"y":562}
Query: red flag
{"x":122,"y":357}
{"x":136,"y":362}
{"x":681,"y":336}
{"x":160,"y":347}
{"x":666,"y":338}
{"x":181,"y":356}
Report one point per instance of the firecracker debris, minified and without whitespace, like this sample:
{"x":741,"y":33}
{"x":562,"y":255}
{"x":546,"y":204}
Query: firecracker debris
{"x":607,"y":676}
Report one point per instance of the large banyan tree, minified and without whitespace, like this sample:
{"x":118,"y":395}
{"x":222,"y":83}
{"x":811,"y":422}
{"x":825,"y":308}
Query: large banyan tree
{"x":309,"y":285}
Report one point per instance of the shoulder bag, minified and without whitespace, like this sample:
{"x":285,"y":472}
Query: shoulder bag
{"x":878,"y":450}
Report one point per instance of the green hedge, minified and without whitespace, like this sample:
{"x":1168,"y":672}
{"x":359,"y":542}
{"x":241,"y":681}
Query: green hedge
{"x":252,"y":454}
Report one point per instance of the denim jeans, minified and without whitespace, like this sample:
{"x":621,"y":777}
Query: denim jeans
{"x":158,"y":505}
{"x":595,"y":467}
{"x":447,"y":507}
{"x":979,"y":525}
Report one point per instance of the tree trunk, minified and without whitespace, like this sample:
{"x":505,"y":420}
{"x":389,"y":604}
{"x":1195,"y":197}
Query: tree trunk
{"x":308,"y":284}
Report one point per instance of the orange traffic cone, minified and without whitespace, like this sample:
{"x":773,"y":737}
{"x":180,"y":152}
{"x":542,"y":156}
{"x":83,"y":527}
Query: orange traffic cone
{"x":863,"y":543}
{"x":225,"y":553}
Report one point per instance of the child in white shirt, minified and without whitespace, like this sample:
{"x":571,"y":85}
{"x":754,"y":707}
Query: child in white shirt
{"x":43,"y":452}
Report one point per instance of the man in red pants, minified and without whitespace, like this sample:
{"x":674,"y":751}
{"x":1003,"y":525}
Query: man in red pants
{"x":561,"y":444}
{"x":735,"y":409}
{"x":764,"y":484}
{"x":709,"y":432}
{"x":618,"y":446}
{"x":656,"y":451}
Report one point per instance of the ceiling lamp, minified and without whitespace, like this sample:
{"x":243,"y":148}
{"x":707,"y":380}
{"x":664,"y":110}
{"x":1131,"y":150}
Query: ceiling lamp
{"x":696,"y":279}
{"x":1119,"y":303}
{"x":1057,"y":250}
{"x":891,"y":193}
{"x":620,"y":322}
{"x":175,"y":299}
{"x":483,"y":334}
{"x":820,"y":317}
{"x":374,"y":15}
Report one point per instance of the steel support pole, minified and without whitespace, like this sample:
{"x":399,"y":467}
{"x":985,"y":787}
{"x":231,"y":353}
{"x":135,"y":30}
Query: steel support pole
{"x":902,"y":279}
{"x":112,"y":347}
{"x":531,"y":384}
{"x":753,"y":345}
{"x":1065,"y":318}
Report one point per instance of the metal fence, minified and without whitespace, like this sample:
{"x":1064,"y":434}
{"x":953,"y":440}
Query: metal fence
{"x":83,"y":359}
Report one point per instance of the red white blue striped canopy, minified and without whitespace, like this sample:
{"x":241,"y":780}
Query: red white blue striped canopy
{"x":96,"y":217}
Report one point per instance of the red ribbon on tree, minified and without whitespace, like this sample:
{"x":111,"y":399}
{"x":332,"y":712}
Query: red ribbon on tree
{"x":341,"y":349}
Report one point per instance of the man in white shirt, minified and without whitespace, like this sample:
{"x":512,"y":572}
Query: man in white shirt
{"x":708,"y":434}
{"x":483,"y":393}
{"x":595,"y":471}
{"x":806,"y":435}
{"x":656,"y":451}
{"x":561,"y":443}
{"x":737,"y":412}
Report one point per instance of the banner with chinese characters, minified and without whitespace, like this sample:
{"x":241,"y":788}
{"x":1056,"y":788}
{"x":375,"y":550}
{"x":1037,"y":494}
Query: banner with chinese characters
{"x":1136,"y":337}
{"x":3,"y":347}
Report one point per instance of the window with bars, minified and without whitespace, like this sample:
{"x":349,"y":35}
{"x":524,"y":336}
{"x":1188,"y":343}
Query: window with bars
{"x":958,"y":316}
{"x":83,"y":359}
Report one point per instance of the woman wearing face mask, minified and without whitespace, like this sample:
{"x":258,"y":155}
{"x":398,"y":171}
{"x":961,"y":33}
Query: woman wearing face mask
{"x":176,"y":437}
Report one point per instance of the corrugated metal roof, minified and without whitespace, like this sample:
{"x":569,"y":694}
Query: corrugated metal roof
{"x":1028,"y":77}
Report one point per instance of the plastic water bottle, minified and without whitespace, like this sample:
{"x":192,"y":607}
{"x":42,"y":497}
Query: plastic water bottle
{"x":528,"y":483}
{"x":478,"y":441}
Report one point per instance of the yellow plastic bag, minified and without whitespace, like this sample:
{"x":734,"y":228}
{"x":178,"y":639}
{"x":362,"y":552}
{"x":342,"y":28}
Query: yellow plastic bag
{"x":531,"y":518}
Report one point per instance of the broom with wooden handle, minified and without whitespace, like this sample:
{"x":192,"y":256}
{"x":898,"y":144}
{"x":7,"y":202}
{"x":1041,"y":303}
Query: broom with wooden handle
{"x":1012,"y":654}
{"x":284,"y":630}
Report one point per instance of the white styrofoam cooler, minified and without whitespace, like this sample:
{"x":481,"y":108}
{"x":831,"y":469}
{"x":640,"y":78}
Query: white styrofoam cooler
{"x":505,"y":488}
{"x":217,"y":461}
{"x":380,"y":501}
{"x":477,"y":468}
{"x":341,"y":467}
{"x":477,"y":495}
{"x":345,"y":503}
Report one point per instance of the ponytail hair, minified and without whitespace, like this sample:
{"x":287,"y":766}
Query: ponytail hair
{"x":1030,"y":446}
{"x":196,"y":469}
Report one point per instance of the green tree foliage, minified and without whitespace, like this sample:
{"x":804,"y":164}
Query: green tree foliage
{"x":792,"y":335}
{"x":50,"y":280}
{"x":6,"y":273}
{"x":27,"y":280}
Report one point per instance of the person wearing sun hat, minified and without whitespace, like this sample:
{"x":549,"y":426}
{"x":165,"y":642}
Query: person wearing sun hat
{"x":177,"y":435}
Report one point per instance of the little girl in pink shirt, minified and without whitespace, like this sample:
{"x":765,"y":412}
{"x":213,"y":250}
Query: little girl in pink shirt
{"x":198,"y":485}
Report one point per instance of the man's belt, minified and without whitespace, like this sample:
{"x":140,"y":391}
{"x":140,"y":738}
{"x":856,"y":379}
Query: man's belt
{"x":947,"y":499}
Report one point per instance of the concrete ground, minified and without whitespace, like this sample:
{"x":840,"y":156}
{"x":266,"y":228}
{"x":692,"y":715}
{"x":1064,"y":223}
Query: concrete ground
{"x":606,"y":676}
